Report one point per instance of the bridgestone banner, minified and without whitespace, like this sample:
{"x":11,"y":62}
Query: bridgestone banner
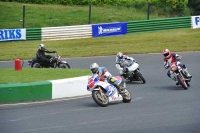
{"x":12,"y":34}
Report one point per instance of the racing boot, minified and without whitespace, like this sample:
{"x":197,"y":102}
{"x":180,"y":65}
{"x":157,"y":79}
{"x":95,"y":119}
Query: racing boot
{"x":120,"y":89}
{"x":187,"y":73}
{"x":173,"y":78}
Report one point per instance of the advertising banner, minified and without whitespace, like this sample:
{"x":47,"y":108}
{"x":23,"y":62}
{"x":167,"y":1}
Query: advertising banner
{"x":109,"y":29}
{"x":195,"y":22}
{"x":12,"y":34}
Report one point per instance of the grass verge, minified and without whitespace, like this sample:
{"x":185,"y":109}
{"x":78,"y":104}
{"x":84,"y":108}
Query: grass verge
{"x":9,"y":75}
{"x":148,"y":42}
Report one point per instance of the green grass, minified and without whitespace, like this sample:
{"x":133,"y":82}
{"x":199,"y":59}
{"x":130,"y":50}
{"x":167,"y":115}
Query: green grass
{"x":148,"y":42}
{"x":37,"y":16}
{"x":9,"y":75}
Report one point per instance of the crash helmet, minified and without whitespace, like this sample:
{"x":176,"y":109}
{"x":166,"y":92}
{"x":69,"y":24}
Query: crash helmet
{"x":120,"y":55}
{"x":41,"y":46}
{"x":166,"y":53}
{"x":94,"y":67}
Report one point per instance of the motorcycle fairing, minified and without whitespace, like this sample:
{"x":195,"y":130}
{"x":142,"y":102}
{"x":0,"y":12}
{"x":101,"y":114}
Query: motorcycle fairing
{"x":133,"y":67}
{"x":111,"y":90}
{"x":63,"y":62}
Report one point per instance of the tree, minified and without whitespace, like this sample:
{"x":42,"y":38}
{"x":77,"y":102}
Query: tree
{"x":194,"y":6}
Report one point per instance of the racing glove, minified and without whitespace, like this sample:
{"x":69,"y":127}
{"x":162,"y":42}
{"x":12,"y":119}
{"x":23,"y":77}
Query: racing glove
{"x":51,"y":60}
{"x":166,"y":66}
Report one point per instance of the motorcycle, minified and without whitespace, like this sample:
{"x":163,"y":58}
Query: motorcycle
{"x":56,"y":62}
{"x":179,"y":75}
{"x":104,"y":93}
{"x":132,"y":72}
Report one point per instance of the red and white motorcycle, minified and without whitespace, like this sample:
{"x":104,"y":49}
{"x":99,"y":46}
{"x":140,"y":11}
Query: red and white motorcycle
{"x":104,"y":93}
{"x":179,"y":75}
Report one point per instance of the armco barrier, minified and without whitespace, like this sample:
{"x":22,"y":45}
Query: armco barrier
{"x":66,"y":32}
{"x":33,"y":34}
{"x":159,"y":24}
{"x":45,"y":90}
{"x":85,"y":31}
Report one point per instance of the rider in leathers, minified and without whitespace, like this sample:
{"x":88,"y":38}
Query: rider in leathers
{"x":120,"y":62}
{"x":171,"y":58}
{"x":103,"y":74}
{"x":40,"y":55}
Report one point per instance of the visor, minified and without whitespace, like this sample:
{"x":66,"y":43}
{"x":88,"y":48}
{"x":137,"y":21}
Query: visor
{"x":166,"y":54}
{"x":120,"y":57}
{"x":94,"y":70}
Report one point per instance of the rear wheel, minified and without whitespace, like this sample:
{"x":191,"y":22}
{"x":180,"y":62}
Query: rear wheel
{"x":100,"y":98}
{"x":182,"y":82}
{"x":36,"y":65}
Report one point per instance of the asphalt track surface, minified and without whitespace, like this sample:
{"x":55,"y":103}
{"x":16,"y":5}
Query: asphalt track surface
{"x":159,"y":106}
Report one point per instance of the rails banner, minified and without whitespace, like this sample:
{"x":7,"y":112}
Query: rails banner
{"x":195,"y":22}
{"x":109,"y":29}
{"x":12,"y":34}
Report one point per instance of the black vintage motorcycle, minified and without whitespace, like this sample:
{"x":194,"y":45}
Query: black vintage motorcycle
{"x":56,"y":63}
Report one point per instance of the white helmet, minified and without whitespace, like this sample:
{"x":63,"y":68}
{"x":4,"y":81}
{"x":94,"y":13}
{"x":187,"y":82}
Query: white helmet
{"x":94,"y":67}
{"x":41,"y":46}
{"x":166,"y":53}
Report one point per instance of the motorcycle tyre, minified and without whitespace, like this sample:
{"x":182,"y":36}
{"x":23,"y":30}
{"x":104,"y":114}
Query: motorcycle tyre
{"x":141,"y":77}
{"x":125,"y":94}
{"x":183,"y":84}
{"x":94,"y":96}
{"x":126,"y":100}
{"x":64,"y":66}
{"x":35,"y":65}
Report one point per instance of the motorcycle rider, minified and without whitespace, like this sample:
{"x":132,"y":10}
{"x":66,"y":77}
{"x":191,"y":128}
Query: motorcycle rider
{"x":103,"y":74}
{"x":40,"y":55}
{"x":120,"y":62}
{"x":170,"y":57}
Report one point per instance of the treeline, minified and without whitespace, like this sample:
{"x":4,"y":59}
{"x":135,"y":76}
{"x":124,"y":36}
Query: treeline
{"x":168,"y":5}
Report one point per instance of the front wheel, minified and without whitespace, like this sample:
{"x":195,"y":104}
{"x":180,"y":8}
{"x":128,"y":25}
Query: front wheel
{"x":100,"y":98}
{"x":140,"y":77}
{"x":126,"y":95}
{"x":65,"y":65}
{"x":182,"y":82}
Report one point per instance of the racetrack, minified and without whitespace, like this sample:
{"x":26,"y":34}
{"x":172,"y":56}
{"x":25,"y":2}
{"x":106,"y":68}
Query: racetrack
{"x":159,"y":106}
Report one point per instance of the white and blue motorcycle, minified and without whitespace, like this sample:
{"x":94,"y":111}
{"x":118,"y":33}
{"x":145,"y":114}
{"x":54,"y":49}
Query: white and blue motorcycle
{"x":104,"y":93}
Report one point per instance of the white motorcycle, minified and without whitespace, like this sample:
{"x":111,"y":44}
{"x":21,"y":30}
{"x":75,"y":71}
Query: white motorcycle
{"x":104,"y":93}
{"x":132,"y":71}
